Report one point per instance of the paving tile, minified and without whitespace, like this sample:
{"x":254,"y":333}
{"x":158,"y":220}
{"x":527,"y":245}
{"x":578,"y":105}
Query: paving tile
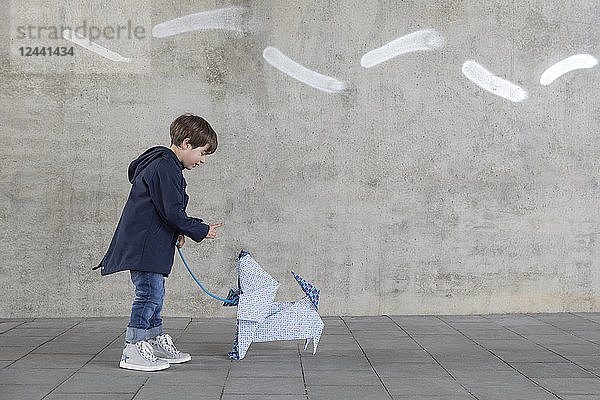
{"x":58,"y":323}
{"x":492,"y":378}
{"x":480,"y":334}
{"x":378,"y":335}
{"x":426,"y":330}
{"x":331,"y":362}
{"x":440,"y":386}
{"x":17,"y":341}
{"x":340,"y":377}
{"x":337,"y":341}
{"x":557,"y":339}
{"x":514,"y":344}
{"x":372,"y":326}
{"x":204,"y":362}
{"x":60,"y":347}
{"x":42,"y":361}
{"x":377,"y":356}
{"x":228,"y":396}
{"x":587,"y":362}
{"x":271,"y":356}
{"x":491,"y":364}
{"x":528,"y":356}
{"x":408,"y":345}
{"x":7,"y":325}
{"x":75,"y":338}
{"x":12,"y":353}
{"x":575,"y":349}
{"x":462,"y":318}
{"x":562,"y":386}
{"x":477,"y":326}
{"x":465,"y":396}
{"x":89,"y":396}
{"x":180,"y":375}
{"x":591,"y":335}
{"x":179,"y":392}
{"x":489,"y":392}
{"x":34,"y":376}
{"x":366,"y":319}
{"x":39,"y":332}
{"x":552,"y":370}
{"x":257,"y":385}
{"x":449,"y":340}
{"x":410,"y":370}
{"x":266,"y":369}
{"x":219,"y":338}
{"x":514,"y":320}
{"x":83,"y":382}
{"x":572,"y":326}
{"x":111,"y":353}
{"x":333,"y":321}
{"x":24,"y":392}
{"x":347,"y":392}
{"x":459,"y":352}
{"x":417,"y":320}
{"x":536,"y":330}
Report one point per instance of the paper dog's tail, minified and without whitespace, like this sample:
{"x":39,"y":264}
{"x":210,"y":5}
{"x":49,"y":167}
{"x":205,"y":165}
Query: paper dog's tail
{"x":311,"y":291}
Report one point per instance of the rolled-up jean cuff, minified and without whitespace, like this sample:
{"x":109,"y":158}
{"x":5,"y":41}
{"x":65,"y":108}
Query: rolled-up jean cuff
{"x":134,"y":335}
{"x":154,"y":332}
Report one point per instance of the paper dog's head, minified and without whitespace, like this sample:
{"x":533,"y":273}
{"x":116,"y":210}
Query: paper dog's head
{"x":251,"y":276}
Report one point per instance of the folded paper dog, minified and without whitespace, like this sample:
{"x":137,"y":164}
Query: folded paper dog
{"x":261,"y":319}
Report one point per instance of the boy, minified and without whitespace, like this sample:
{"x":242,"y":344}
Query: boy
{"x":152,"y":223}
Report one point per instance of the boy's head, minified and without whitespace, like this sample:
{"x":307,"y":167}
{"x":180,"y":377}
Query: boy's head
{"x":192,"y":138}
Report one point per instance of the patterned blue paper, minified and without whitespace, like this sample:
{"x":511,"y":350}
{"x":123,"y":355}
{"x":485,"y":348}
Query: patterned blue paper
{"x":311,"y":291}
{"x":261,"y":319}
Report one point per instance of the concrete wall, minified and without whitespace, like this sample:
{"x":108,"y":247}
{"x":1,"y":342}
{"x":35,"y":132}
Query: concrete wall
{"x":411,"y":191}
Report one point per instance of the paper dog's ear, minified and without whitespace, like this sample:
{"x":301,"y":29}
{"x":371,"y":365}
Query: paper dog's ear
{"x":242,"y":254}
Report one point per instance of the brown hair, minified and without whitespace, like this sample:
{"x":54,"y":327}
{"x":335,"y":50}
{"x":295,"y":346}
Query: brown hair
{"x":197,"y":129}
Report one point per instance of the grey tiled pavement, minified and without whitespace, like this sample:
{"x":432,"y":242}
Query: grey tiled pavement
{"x":509,"y":356}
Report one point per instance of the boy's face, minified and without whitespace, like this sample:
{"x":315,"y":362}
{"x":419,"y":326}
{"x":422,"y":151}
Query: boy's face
{"x":190,"y":157}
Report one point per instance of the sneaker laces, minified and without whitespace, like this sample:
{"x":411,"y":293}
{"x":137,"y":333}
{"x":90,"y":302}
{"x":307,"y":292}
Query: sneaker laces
{"x":167,"y":342}
{"x":146,"y":350}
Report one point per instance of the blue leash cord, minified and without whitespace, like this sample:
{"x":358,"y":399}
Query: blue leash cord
{"x":199,"y":284}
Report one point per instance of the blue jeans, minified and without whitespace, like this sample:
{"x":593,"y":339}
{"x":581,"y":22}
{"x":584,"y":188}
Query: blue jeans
{"x":145,"y":322}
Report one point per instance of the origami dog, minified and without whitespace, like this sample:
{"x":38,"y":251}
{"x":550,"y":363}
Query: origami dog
{"x":260,"y":319}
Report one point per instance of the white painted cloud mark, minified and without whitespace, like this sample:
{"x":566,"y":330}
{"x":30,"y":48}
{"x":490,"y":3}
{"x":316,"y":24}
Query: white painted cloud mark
{"x":84,"y":42}
{"x":492,"y":83}
{"x":230,"y":18}
{"x":425,"y":40}
{"x":288,"y":66}
{"x":578,"y":61}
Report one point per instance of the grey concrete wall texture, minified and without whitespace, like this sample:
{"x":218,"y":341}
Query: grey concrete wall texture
{"x":411,"y":191}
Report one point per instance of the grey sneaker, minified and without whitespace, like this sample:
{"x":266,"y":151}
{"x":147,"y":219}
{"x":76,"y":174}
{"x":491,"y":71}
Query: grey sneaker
{"x":164,"y":349}
{"x":139,"y":356}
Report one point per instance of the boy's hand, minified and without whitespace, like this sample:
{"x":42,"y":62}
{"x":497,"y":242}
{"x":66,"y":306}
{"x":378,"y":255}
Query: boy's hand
{"x":181,"y":240}
{"x":212,"y":231}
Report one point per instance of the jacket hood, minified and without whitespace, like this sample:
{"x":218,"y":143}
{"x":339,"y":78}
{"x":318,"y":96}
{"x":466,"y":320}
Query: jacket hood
{"x":138,"y":165}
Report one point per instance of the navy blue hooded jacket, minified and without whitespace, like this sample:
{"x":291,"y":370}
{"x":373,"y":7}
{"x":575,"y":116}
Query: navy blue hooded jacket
{"x":153,"y":216}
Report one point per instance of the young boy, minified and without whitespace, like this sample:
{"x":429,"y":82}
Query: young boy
{"x":153,"y":222}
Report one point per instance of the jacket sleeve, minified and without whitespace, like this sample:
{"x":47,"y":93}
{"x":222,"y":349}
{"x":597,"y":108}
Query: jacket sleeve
{"x":166,"y":197}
